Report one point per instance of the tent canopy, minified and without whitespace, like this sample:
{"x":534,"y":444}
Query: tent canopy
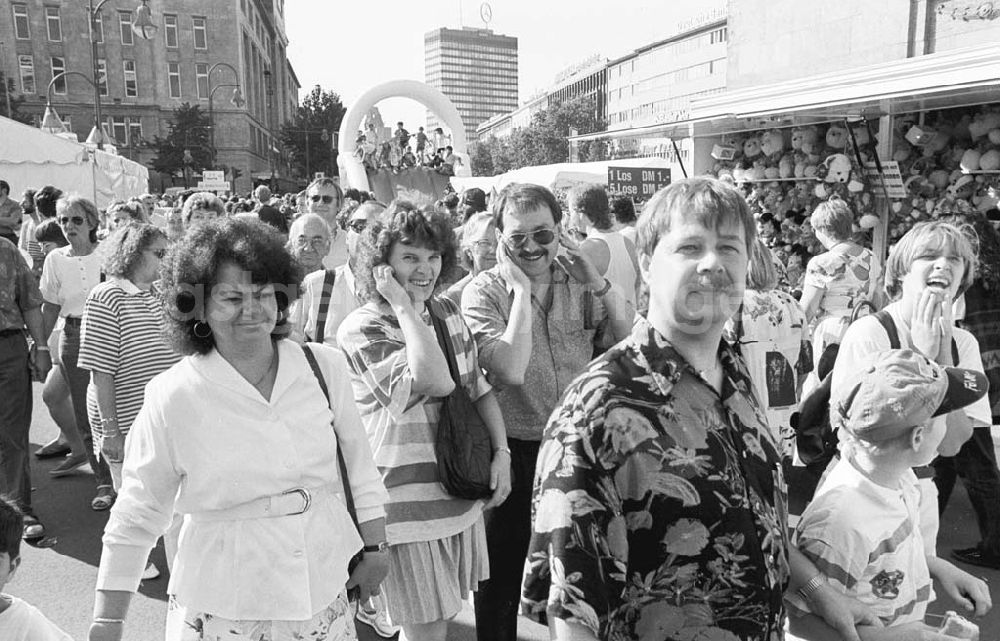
{"x":31,"y":158}
{"x":559,"y":175}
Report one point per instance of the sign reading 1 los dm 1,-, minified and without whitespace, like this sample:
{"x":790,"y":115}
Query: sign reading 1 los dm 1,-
{"x":637,"y":182}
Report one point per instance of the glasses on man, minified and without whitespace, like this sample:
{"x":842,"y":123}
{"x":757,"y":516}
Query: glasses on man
{"x":326,"y":198}
{"x":76,"y":220}
{"x":316,"y":242}
{"x":540,"y":236}
{"x":357,"y":225}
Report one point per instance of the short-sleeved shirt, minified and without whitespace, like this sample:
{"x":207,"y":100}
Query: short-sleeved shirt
{"x":866,"y":539}
{"x":24,"y":622}
{"x":562,"y":343}
{"x":343,"y":300}
{"x":659,"y":504}
{"x":10,"y":216}
{"x":67,"y":280}
{"x":122,"y":336}
{"x":402,"y":425}
{"x":18,"y":288}
{"x":845,"y":279}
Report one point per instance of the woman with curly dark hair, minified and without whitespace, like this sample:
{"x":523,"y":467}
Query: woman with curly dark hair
{"x":396,"y":365}
{"x":240,"y":438}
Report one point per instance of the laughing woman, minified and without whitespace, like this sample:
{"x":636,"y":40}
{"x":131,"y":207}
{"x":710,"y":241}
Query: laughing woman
{"x":437,"y":550}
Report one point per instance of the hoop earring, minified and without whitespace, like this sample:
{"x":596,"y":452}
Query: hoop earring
{"x":201,"y":329}
{"x":281,"y":317}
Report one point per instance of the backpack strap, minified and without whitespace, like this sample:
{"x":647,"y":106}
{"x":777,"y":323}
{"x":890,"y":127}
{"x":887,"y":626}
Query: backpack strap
{"x":326,"y":292}
{"x":890,"y":328}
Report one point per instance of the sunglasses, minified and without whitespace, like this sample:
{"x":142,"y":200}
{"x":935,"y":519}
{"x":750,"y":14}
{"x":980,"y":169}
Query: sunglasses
{"x":317,"y":197}
{"x":315,"y":243}
{"x":76,"y":220}
{"x":358,"y":225}
{"x":540,"y":236}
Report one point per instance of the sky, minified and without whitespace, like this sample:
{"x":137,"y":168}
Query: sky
{"x":349,"y":46}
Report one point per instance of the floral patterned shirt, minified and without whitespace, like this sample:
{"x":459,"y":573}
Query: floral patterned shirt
{"x":659,"y":509}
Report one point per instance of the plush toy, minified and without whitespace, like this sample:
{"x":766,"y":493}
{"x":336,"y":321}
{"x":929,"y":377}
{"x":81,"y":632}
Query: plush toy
{"x":838,"y":168}
{"x":990,"y":161}
{"x":836,"y":137}
{"x":994,"y":136}
{"x":751,"y":148}
{"x":786,"y":166}
{"x":772,"y":143}
{"x":801,"y":135}
{"x":983,"y":123}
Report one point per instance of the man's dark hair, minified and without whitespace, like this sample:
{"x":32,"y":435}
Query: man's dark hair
{"x":449,"y":148}
{"x":592,"y":202}
{"x":11,"y":528}
{"x":518,"y":198}
{"x":45,"y":201}
{"x":624,"y":209}
{"x":450,"y":201}
{"x":5,"y":187}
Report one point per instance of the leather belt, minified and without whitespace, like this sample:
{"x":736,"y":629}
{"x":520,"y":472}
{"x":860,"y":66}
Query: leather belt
{"x":293,"y":502}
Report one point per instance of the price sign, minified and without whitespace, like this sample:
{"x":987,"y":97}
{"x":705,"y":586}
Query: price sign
{"x":637,"y":182}
{"x":213,"y":176}
{"x":893,"y":178}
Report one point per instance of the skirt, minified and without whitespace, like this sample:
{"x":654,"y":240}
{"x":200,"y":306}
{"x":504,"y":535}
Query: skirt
{"x":335,"y":623}
{"x":429,"y":580}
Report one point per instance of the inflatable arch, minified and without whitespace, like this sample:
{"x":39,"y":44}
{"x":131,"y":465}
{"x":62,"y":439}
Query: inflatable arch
{"x":352,"y":172}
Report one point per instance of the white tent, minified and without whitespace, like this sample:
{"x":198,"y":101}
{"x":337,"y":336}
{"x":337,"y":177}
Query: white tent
{"x":559,"y":175}
{"x":31,"y":158}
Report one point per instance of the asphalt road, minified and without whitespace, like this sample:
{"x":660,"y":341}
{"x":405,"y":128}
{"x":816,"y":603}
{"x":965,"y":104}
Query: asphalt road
{"x":58,"y":574}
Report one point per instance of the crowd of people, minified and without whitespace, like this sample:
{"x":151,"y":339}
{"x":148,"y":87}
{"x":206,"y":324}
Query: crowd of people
{"x":261,"y":382}
{"x":404,"y":150}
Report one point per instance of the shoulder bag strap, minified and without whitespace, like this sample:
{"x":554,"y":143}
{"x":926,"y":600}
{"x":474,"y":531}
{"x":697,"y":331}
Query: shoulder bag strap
{"x":890,"y":328}
{"x":445,"y":342}
{"x":324,"y":305}
{"x":348,"y":495}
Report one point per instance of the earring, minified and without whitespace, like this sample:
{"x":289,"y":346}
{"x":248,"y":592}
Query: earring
{"x":281,"y":317}
{"x":201,"y":329}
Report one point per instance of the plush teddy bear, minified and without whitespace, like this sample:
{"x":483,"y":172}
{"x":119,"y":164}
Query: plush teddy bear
{"x":836,"y":137}
{"x":786,"y":166}
{"x":801,"y":135}
{"x":838,"y":168}
{"x":772,"y":143}
{"x":990,"y":161}
{"x":751,"y":148}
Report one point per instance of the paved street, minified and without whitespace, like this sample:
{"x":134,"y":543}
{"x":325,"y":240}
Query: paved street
{"x":58,"y":575}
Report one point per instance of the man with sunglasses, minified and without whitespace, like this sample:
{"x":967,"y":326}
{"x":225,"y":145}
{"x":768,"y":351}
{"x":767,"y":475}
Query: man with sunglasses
{"x":329,"y":295}
{"x":533,"y":316}
{"x":325,"y":197}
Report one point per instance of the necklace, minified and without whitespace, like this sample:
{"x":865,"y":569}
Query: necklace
{"x":270,"y":366}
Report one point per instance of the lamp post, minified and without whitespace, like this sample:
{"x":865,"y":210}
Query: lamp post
{"x":237,"y":100}
{"x":142,"y":26}
{"x":324,"y":135}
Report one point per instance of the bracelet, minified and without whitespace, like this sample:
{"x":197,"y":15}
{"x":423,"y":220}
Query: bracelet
{"x":105,"y":620}
{"x":41,"y":348}
{"x":497,"y":450}
{"x":599,"y":293}
{"x":807,"y":590}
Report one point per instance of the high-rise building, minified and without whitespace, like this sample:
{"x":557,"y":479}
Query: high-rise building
{"x":143,"y":81}
{"x":476,"y":69}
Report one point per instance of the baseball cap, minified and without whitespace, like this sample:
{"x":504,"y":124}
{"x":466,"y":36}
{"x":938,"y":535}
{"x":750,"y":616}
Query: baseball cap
{"x":901,"y":389}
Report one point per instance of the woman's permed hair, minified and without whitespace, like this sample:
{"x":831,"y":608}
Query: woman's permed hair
{"x":133,"y":209}
{"x":404,"y":223}
{"x":202,"y":200}
{"x":707,"y":201}
{"x":834,"y":218}
{"x":935,"y":236}
{"x":191,"y":268}
{"x":122,"y":249}
{"x":75,"y":203}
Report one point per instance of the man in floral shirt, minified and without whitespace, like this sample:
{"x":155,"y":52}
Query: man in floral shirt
{"x":659,"y":508}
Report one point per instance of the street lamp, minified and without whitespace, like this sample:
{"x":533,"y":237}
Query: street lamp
{"x":324,"y":135}
{"x":237,"y":100}
{"x":143,"y":27}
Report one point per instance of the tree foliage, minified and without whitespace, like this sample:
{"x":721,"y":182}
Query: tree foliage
{"x":15,"y":99}
{"x":189,"y":130}
{"x":543,"y":142}
{"x":319,"y":110}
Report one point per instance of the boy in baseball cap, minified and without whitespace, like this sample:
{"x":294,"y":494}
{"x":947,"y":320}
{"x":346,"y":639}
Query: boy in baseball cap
{"x":862,"y":529}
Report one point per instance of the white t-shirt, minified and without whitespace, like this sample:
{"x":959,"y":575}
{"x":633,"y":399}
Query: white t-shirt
{"x":67,"y":280}
{"x":24,"y":622}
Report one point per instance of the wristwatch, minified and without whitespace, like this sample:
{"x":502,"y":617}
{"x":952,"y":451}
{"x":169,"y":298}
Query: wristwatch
{"x":381,"y":546}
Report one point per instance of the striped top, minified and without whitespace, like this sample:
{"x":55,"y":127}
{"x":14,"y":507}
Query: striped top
{"x":402,"y":426}
{"x":122,"y":335}
{"x":867,"y":540}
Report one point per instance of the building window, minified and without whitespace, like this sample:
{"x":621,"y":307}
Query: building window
{"x":27,"y":65}
{"x":131,"y":86}
{"x":201,"y":73}
{"x":125,"y":26}
{"x":200,"y":33}
{"x":67,"y":122}
{"x":21,"y":22}
{"x":59,"y":66}
{"x":53,"y":23}
{"x":174,"y":79}
{"x":170,"y":30}
{"x":134,"y":132}
{"x":102,"y":75}
{"x":719,"y":35}
{"x":99,"y":29}
{"x":119,"y":131}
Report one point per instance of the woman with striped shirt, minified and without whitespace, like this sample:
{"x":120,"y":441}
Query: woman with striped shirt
{"x":396,"y":364}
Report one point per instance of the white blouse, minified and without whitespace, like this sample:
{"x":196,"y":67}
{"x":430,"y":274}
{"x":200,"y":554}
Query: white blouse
{"x":66,"y":280}
{"x":206,"y":440}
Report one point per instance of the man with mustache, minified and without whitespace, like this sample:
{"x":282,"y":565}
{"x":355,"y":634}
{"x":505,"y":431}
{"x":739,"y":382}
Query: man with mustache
{"x":533,"y":317}
{"x":660,"y":505}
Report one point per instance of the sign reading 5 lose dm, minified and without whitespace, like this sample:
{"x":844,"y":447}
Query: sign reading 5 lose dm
{"x":637,"y":182}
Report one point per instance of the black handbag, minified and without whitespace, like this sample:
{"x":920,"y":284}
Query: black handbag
{"x":463,"y":445}
{"x":354,"y":593}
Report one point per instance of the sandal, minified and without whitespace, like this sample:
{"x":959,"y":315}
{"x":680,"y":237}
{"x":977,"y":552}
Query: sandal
{"x":33,"y":528}
{"x":105,"y":498}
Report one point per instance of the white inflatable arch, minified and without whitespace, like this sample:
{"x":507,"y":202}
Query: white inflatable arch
{"x":352,"y":172}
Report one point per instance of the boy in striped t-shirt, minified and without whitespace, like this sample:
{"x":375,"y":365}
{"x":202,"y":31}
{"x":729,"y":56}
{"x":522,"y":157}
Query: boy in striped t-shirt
{"x":862,"y":531}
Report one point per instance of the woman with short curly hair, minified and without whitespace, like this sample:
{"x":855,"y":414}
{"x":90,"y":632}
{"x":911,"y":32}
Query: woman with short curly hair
{"x":121,"y":213}
{"x":398,"y":370}
{"x":240,"y":439}
{"x":201,"y":206}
